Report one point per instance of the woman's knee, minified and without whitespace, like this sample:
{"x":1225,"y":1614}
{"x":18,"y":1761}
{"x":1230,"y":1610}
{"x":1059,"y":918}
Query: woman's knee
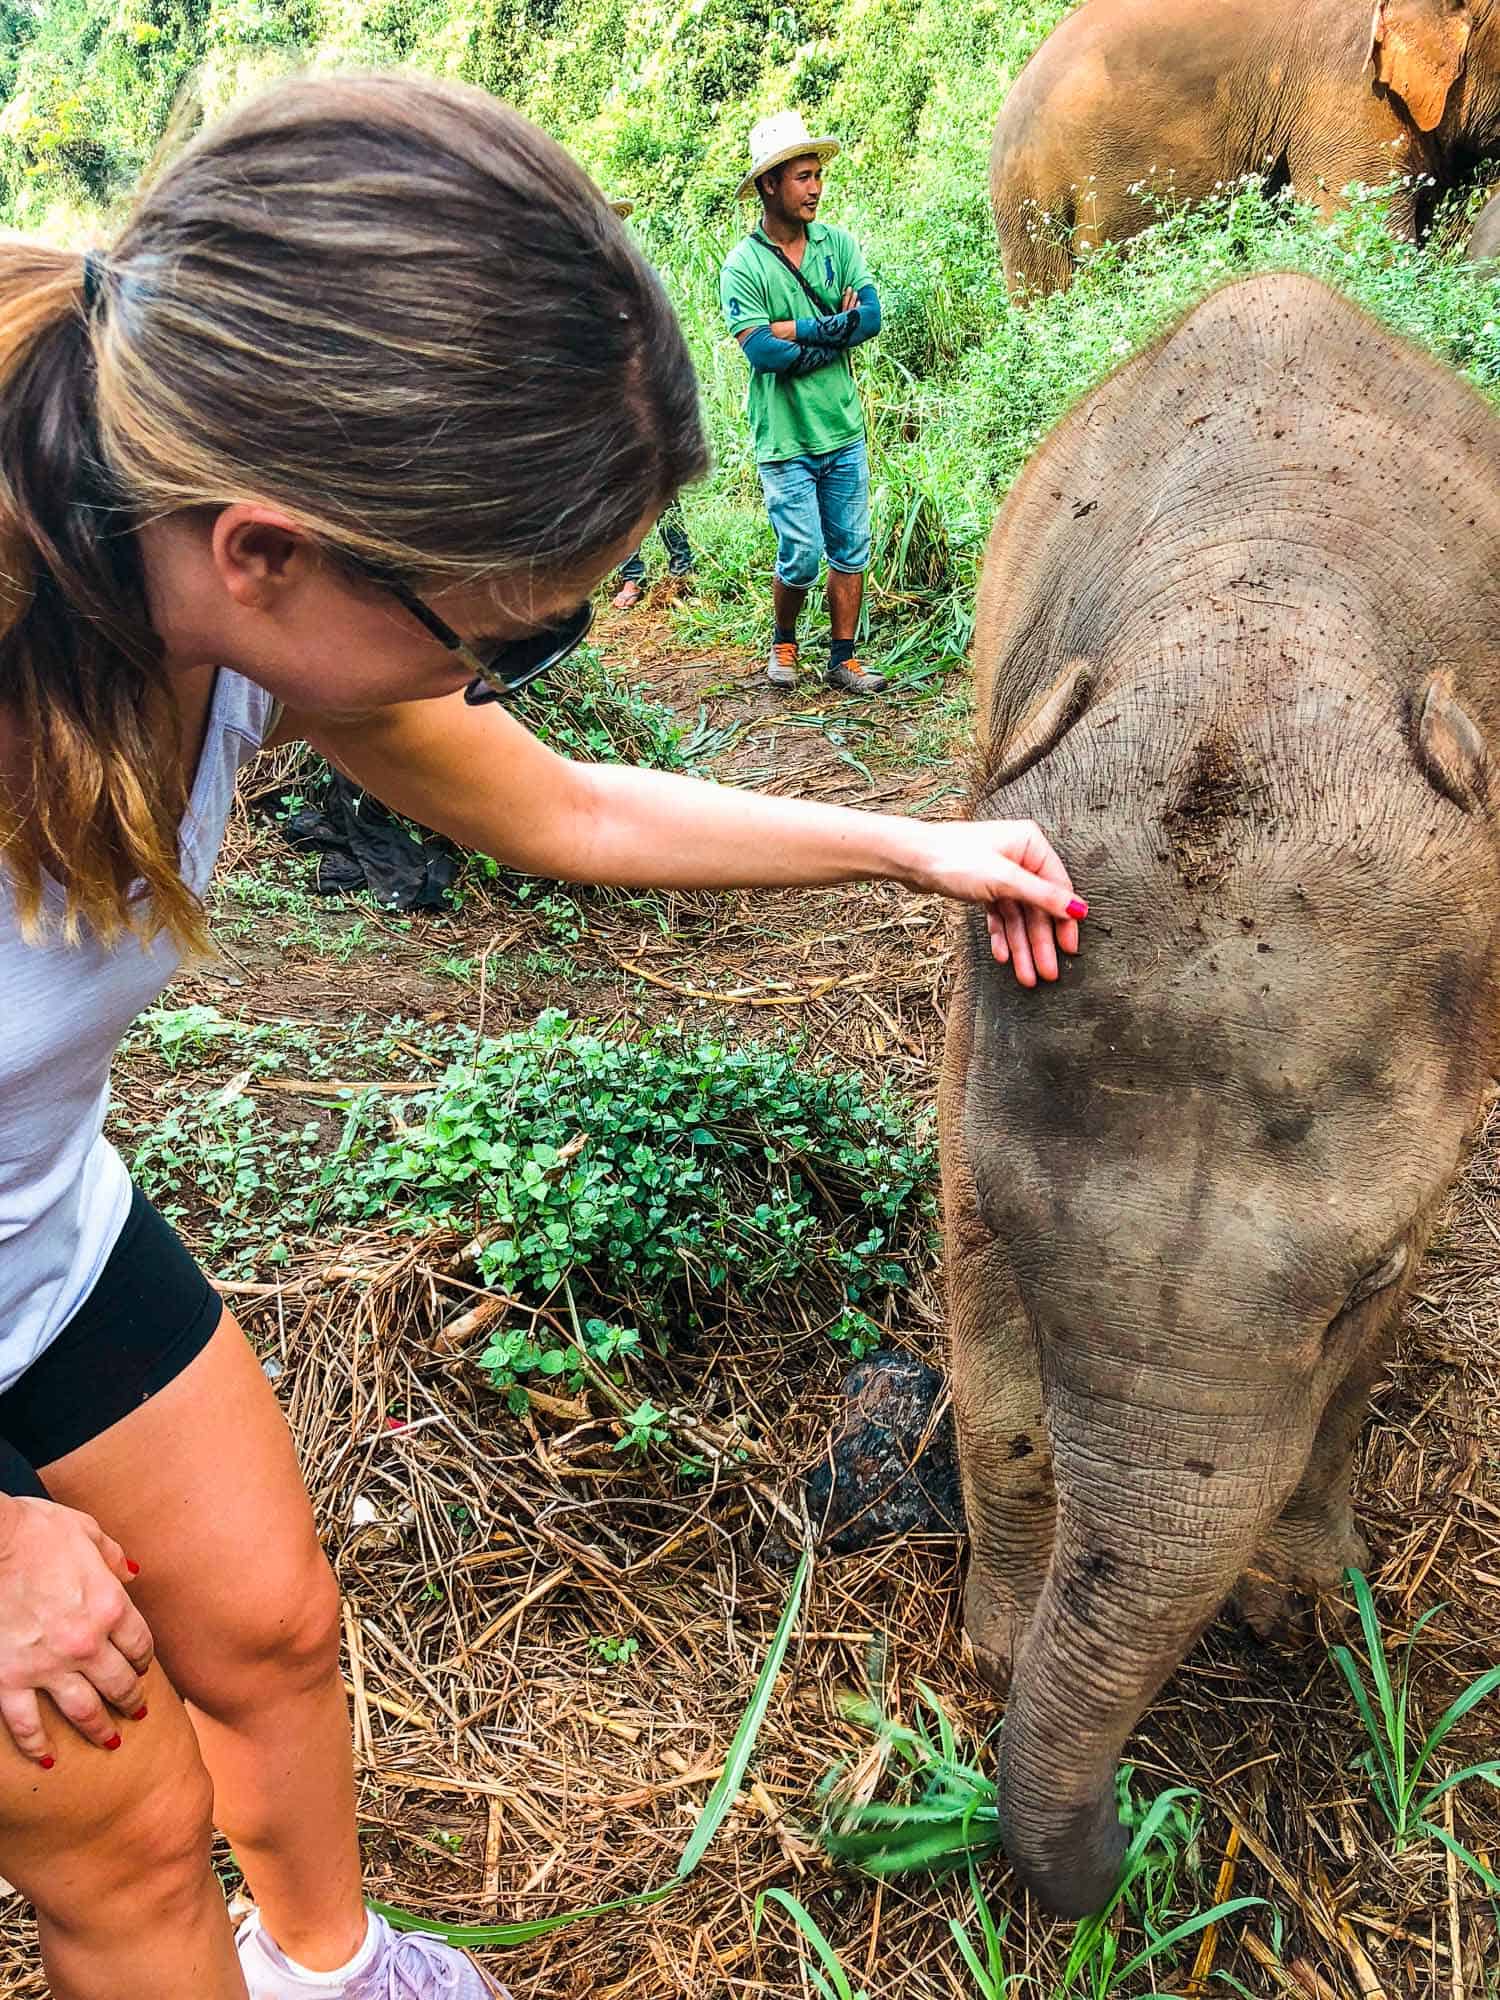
{"x":283,"y":1640}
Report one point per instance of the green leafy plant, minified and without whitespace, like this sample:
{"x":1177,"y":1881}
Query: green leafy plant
{"x":1398,"y":1758}
{"x":991,"y":1980}
{"x":946,"y":1816}
{"x":667,"y":1179}
{"x":614,"y":1651}
{"x":1154,"y":1862}
{"x":643,"y":1428}
{"x":179,"y":1032}
{"x":649,"y":1172}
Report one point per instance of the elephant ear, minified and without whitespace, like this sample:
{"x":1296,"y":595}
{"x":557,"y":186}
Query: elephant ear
{"x":1418,"y":49}
{"x":1449,"y":746}
{"x":1045,"y":723}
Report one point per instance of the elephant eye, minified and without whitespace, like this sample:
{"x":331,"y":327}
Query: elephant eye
{"x":1385,"y":1273}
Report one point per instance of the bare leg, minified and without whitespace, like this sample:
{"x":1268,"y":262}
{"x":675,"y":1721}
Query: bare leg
{"x":787,"y":603}
{"x":1005,"y":1460}
{"x":245,"y":1613}
{"x":1315,"y":1540}
{"x":112,"y":1847}
{"x":846,"y":591}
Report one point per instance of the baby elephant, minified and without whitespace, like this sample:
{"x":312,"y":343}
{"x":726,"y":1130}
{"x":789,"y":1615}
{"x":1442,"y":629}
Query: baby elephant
{"x":1237,"y":652}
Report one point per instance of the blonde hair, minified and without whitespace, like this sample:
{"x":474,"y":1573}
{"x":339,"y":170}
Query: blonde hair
{"x":386,"y":305}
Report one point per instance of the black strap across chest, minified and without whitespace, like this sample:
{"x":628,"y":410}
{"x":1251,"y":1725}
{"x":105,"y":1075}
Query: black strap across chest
{"x":824,"y":308}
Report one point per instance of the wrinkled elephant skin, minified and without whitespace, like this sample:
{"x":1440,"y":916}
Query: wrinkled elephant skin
{"x":1236,"y":651}
{"x":1130,"y":103}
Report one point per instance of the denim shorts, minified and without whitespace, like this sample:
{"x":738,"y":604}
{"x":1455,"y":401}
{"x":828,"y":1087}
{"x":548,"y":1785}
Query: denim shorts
{"x":819,"y":506}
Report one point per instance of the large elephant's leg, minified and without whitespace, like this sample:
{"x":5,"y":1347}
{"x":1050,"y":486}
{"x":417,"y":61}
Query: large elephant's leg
{"x":1314,"y":1539}
{"x":1323,"y":164}
{"x":1005,"y":1460}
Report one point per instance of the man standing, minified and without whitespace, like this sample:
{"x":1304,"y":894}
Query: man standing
{"x":798,"y":298}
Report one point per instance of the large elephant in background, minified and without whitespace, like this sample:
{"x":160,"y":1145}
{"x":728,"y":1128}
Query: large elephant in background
{"x":1184,"y":95}
{"x":1237,"y":652}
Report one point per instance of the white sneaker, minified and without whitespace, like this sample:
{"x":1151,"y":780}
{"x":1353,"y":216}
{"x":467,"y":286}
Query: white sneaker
{"x":390,"y":1965}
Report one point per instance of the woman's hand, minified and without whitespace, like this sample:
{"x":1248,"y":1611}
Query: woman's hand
{"x":1010,"y":866}
{"x":67,"y":1627}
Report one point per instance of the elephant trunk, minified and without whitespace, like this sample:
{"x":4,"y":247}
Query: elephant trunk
{"x":1151,"y":1538}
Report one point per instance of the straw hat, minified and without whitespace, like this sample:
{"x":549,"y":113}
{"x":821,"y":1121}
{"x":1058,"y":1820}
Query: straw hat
{"x":623,"y":207}
{"x":775,"y":140}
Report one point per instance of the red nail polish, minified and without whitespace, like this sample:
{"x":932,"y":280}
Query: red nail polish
{"x":134,"y":1568}
{"x":114,"y":1741}
{"x":140,"y":1715}
{"x":1078,"y":907}
{"x":46,"y":1762}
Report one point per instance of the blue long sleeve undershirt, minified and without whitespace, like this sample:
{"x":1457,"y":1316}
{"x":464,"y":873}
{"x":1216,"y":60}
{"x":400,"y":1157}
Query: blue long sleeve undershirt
{"x":818,"y":342}
{"x":845,"y":329}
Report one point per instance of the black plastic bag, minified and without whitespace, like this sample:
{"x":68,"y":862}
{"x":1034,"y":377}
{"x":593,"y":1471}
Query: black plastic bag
{"x":364,"y":845}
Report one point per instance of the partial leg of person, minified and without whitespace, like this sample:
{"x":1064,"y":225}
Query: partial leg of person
{"x":791,"y":496}
{"x":202,"y":1482}
{"x":673,"y":531}
{"x":632,"y":582}
{"x":201,"y":1485}
{"x":843,"y":489}
{"x":112,"y":1849}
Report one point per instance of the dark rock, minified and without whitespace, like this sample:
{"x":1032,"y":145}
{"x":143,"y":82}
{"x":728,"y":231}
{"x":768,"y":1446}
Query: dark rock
{"x":891,"y":1467}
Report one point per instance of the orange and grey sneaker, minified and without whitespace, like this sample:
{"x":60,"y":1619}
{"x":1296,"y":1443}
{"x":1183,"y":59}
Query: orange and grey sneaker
{"x":781,"y":668}
{"x":849,"y":677}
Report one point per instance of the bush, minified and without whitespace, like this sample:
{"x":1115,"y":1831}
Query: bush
{"x":663,"y":1183}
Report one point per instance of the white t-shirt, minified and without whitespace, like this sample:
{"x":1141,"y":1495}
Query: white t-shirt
{"x":64,"y":1192}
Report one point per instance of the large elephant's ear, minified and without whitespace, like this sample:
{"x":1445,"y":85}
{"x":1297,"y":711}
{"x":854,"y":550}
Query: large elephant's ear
{"x":1449,"y":745}
{"x":1418,"y":49}
{"x":1045,"y":723}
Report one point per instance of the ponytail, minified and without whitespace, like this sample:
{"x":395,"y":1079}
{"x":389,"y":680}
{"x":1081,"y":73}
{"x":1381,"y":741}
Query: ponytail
{"x":100,"y":789}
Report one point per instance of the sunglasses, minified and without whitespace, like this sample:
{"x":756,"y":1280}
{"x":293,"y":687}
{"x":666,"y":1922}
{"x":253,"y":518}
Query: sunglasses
{"x":504,"y":668}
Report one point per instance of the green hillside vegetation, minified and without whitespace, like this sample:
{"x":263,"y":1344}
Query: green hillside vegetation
{"x":657,"y":98}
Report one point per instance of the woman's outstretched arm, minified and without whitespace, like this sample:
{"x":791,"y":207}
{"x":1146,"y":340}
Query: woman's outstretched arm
{"x":478,"y":776}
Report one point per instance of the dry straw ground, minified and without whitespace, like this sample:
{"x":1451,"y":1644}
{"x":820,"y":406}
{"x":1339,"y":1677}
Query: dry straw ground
{"x":506,"y":1771}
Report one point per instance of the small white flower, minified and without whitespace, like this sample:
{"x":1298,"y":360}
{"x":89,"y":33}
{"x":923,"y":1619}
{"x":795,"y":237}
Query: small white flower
{"x":1119,"y":346}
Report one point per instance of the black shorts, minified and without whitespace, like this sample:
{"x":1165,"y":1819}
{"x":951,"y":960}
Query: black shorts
{"x":151,"y":1313}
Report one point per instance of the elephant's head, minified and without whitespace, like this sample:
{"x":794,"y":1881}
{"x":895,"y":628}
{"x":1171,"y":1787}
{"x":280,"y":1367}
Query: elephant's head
{"x":1215,"y":1153}
{"x":1441,"y":60}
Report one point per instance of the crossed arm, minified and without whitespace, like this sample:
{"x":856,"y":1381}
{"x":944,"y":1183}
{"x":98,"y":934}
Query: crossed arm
{"x":795,"y":347}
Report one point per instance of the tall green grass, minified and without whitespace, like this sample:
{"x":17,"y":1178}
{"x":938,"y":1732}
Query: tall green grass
{"x":1398,"y":1758}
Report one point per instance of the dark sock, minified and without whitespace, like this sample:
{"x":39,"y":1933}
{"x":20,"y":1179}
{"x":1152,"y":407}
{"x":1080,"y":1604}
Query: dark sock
{"x":841,"y":651}
{"x":786,"y":635}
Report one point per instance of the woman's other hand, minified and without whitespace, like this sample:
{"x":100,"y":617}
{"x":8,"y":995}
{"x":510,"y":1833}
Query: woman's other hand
{"x":67,"y":1627}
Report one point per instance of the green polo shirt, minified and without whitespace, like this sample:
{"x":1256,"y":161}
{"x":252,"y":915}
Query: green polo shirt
{"x":812,"y":413}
